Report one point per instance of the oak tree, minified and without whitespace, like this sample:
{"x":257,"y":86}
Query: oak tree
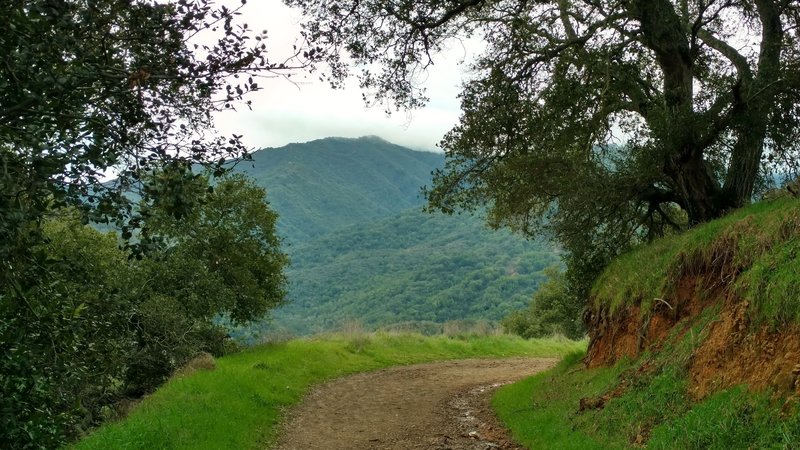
{"x":91,"y":89}
{"x":603,"y":121}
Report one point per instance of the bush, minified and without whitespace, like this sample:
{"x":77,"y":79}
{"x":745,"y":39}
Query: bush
{"x":554,"y":309}
{"x":94,"y":325}
{"x":64,"y":340}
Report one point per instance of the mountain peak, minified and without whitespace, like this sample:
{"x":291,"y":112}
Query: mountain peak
{"x":368,"y":139}
{"x":330,"y":183}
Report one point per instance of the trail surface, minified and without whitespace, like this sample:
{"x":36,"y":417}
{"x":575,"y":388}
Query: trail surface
{"x":437,"y":406}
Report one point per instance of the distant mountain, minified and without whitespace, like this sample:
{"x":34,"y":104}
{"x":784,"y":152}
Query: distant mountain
{"x":327,"y":184}
{"x":362,"y":250}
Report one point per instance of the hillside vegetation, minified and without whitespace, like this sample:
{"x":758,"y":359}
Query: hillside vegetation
{"x":410,"y":267}
{"x":695,"y":344}
{"x":253,"y":389}
{"x":363,"y":251}
{"x":327,"y":184}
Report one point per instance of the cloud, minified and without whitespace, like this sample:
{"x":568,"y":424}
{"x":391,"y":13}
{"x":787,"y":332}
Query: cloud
{"x":305,"y":108}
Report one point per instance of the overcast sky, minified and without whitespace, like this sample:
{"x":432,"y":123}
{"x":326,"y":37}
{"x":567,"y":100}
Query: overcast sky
{"x":284,"y":112}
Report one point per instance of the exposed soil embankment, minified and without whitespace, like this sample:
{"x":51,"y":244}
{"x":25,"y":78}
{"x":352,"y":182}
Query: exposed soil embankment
{"x":734,"y":352}
{"x":629,"y":331}
{"x":732,"y":284}
{"x":728,"y":351}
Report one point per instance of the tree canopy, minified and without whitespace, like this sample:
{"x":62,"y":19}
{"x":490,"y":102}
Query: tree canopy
{"x":604,"y":121}
{"x":227,"y":249}
{"x":96,"y":88}
{"x":90,"y":89}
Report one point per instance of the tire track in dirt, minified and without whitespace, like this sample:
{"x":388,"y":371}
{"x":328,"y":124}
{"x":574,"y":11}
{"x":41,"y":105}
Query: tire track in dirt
{"x":436,"y":406}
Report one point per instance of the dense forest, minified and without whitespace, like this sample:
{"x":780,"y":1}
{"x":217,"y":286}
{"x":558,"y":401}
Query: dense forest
{"x":410,"y":267}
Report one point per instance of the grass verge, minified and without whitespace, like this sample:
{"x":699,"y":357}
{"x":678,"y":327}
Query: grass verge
{"x":645,"y":403}
{"x":241,"y":402}
{"x":757,"y":245}
{"x":751,"y":255}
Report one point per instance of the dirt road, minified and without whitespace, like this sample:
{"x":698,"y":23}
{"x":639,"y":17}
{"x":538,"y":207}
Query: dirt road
{"x":438,"y":406}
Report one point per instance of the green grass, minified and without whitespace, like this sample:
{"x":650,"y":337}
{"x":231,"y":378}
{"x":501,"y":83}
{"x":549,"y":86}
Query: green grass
{"x":758,"y":245}
{"x":751,"y":253}
{"x":540,"y":410}
{"x":732,"y":419}
{"x":655,"y":407}
{"x":240,"y":403}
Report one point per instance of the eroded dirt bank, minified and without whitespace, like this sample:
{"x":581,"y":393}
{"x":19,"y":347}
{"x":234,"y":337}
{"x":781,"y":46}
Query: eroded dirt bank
{"x":728,"y":351}
{"x":438,"y":406}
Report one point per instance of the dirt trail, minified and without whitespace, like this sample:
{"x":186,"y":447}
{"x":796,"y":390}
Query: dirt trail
{"x":438,"y":406}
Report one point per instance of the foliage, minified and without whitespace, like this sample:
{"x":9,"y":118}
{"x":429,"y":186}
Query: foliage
{"x":63,"y":358}
{"x":109,"y":326}
{"x":408,"y":267}
{"x":229,"y":242}
{"x":603,"y":122}
{"x":253,"y":389}
{"x":88,"y":89}
{"x":128,"y":85}
{"x":553,"y":310}
{"x":221,"y":257}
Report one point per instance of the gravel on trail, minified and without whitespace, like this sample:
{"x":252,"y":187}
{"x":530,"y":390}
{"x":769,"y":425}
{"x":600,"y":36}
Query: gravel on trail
{"x":436,"y":406}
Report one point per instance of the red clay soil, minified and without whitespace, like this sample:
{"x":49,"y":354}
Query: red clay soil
{"x":627,"y":333}
{"x":438,"y":406}
{"x":733,"y":353}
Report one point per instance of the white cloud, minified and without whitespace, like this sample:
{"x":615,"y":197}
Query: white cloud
{"x":307,"y":109}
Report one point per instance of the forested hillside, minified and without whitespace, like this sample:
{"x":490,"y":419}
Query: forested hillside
{"x":363,"y":250}
{"x":410,"y":267}
{"x":324,"y":185}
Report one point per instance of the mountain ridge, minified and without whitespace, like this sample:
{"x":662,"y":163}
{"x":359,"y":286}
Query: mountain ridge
{"x":336,"y":184}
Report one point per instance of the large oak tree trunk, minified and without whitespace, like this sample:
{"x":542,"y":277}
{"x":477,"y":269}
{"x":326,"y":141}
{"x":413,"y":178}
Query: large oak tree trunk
{"x":745,"y":161}
{"x":696,"y":186}
{"x":753,"y":109}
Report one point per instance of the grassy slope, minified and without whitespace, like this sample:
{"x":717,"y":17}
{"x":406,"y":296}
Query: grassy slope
{"x":760,"y":244}
{"x":542,"y":412}
{"x":239,"y":404}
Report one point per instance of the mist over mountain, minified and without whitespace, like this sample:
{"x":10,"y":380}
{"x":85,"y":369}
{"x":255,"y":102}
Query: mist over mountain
{"x":362,"y":249}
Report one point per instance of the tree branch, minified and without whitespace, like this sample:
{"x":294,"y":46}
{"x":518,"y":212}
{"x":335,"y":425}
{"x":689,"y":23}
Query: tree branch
{"x":736,"y":58}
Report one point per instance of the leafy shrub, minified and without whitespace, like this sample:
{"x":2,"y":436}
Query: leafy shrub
{"x":554,"y":309}
{"x":94,"y":325}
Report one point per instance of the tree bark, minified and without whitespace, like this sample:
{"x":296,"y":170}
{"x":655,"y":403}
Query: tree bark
{"x":695,"y":184}
{"x":693,"y":179}
{"x":753,"y":108}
